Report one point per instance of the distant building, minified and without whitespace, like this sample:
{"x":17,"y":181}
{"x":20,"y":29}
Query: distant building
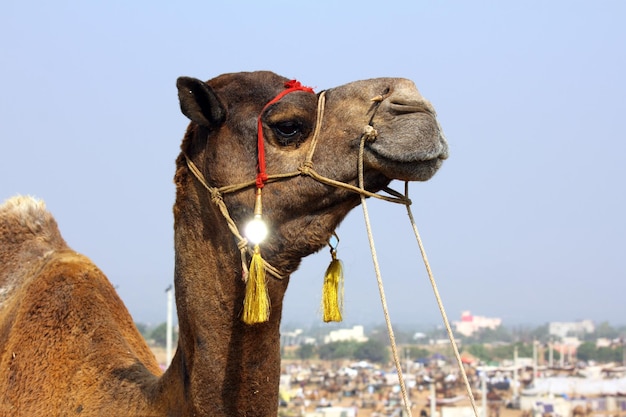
{"x":293,"y":338}
{"x":567,"y":348}
{"x":470,"y":324}
{"x":564,"y":329}
{"x":357,"y":334}
{"x":296,"y":338}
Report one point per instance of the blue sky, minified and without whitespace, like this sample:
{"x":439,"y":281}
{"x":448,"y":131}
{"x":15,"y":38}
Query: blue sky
{"x":525,"y":221}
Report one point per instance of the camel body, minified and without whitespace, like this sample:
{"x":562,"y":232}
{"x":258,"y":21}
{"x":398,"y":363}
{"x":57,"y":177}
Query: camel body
{"x":68,"y":345}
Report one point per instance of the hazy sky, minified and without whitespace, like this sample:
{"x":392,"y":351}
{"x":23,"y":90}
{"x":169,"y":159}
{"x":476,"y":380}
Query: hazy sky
{"x":525,"y":221}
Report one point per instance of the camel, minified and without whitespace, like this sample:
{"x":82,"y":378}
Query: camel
{"x":494,"y":401}
{"x":582,"y":410}
{"x":68,"y":345}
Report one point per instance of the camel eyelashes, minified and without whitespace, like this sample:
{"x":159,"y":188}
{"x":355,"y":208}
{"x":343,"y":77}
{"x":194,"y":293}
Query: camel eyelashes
{"x":286,"y":132}
{"x":287,"y":129}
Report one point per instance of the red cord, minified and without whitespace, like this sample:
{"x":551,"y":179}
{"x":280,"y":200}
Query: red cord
{"x":290,"y":87}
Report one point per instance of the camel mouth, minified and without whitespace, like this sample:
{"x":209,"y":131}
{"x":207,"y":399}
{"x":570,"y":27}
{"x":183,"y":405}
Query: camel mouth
{"x":419,"y":169}
{"x":412,"y":147}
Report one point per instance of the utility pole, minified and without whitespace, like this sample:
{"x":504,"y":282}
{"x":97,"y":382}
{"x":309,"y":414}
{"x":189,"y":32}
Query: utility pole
{"x":483,"y":391}
{"x":624,"y":350}
{"x":169,"y":324}
{"x":535,"y":363}
{"x":551,"y":353}
{"x":515,"y":377}
{"x":433,"y":399}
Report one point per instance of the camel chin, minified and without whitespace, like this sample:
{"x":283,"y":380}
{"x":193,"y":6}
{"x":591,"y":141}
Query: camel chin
{"x":405,"y":171}
{"x":407,"y":157}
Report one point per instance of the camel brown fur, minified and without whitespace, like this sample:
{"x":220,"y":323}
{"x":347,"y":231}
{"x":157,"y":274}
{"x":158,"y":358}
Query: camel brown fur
{"x":68,"y":346}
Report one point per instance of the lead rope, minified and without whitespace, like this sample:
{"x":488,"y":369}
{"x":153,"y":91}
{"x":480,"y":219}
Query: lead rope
{"x":441,"y":308}
{"x":392,"y":340}
{"x":381,"y":290}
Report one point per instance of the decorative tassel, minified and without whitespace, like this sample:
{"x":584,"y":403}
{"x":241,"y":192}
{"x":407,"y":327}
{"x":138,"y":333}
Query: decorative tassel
{"x":256,"y":303}
{"x":332,"y":292}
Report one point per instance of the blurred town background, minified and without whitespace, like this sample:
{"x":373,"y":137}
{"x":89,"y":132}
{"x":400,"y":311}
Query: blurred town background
{"x":557,"y":369}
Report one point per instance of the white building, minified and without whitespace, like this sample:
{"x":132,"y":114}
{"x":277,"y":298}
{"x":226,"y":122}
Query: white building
{"x":295,"y":338}
{"x":564,"y":329}
{"x":470,"y":324}
{"x":357,"y":334}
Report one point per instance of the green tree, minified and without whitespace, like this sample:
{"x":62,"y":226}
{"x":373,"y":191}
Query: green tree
{"x":143,"y":329}
{"x":416,"y":352}
{"x":609,"y":354}
{"x":586,"y":351}
{"x":372,"y":351}
{"x":380,"y":334}
{"x":499,"y":352}
{"x":605,"y":330}
{"x":541,"y":334}
{"x":525,"y":350}
{"x":479,"y":351}
{"x":159,"y":334}
{"x":306,"y":351}
{"x":337,"y":350}
{"x":486,"y":335}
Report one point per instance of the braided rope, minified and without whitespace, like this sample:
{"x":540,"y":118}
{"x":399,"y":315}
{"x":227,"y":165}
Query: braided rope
{"x":381,"y":290}
{"x":442,"y":310}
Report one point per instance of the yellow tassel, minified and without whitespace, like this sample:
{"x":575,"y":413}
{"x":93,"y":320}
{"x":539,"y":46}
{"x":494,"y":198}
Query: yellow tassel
{"x":332,"y":292}
{"x":256,"y":304}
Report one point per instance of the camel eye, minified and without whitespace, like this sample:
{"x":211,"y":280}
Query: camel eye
{"x":287,"y":130}
{"x":290,"y":133}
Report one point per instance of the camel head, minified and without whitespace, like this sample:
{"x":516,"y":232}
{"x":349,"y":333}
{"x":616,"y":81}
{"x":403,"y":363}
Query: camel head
{"x":404,"y":142}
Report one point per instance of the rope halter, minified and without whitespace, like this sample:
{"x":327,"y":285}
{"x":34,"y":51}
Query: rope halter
{"x":306,"y":169}
{"x":256,"y":300}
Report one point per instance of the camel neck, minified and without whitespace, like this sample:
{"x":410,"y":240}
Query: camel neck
{"x":222,"y":364}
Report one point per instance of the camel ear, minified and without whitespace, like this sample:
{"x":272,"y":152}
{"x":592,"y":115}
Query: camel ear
{"x":199,"y":102}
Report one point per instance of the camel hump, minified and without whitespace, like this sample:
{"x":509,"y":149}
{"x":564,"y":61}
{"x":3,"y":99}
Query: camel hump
{"x":28,"y":232}
{"x":26,"y":215}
